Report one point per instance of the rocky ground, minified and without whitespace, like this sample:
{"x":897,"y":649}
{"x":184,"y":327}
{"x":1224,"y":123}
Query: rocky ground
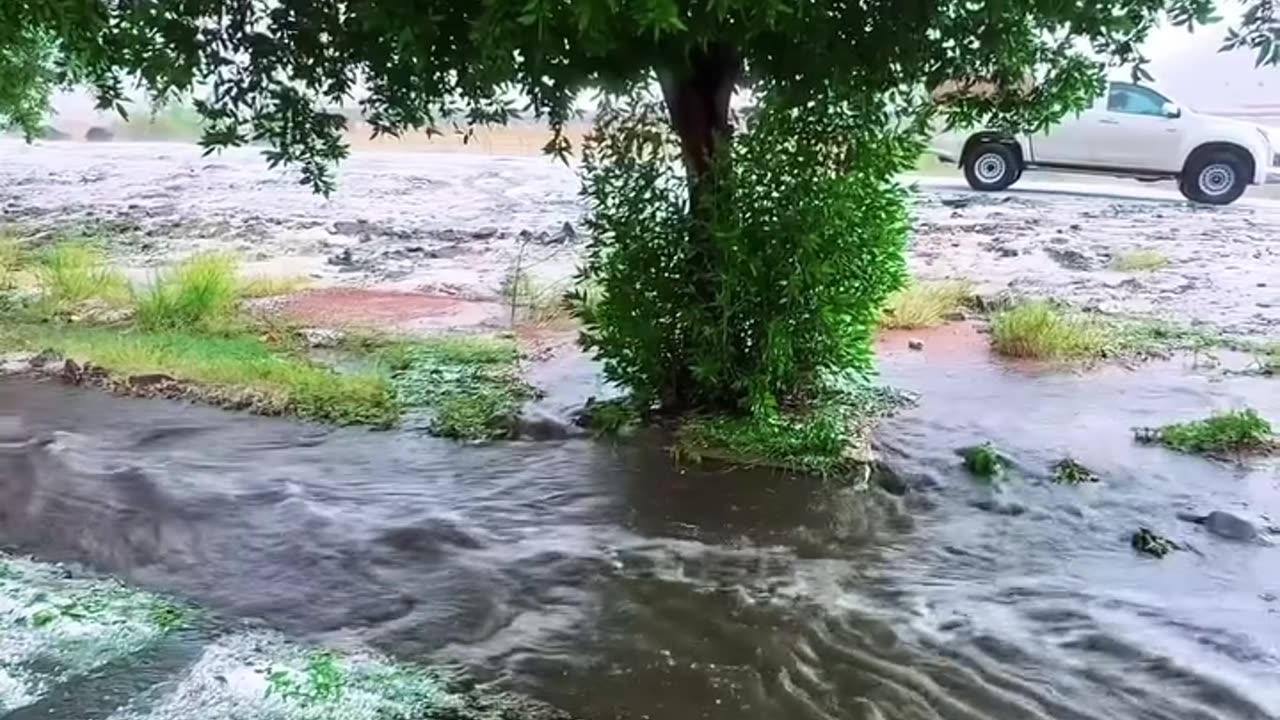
{"x":452,"y":227}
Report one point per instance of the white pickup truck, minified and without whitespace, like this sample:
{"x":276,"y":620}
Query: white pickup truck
{"x":1132,"y":131}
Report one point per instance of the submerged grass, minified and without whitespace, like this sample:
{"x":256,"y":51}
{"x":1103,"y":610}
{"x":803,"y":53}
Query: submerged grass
{"x":1139,"y":261}
{"x":462,"y":388}
{"x":926,"y":304}
{"x":1237,"y":431}
{"x":287,"y":384}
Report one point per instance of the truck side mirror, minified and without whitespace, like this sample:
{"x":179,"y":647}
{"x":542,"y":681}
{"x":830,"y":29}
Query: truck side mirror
{"x":1171,"y":110}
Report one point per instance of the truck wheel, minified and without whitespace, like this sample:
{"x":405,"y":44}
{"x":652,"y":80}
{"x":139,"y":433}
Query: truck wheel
{"x":991,"y":166}
{"x":1214,"y":178}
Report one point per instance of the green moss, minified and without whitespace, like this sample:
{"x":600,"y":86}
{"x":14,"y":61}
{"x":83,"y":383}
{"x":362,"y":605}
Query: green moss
{"x":286,"y":383}
{"x":1235,"y":431}
{"x":985,"y":462}
{"x":463,"y":388}
{"x":1070,"y":472}
{"x":926,"y":304}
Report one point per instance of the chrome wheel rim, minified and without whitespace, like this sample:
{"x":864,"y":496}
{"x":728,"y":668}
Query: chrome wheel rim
{"x":990,"y":167}
{"x":1216,"y":179}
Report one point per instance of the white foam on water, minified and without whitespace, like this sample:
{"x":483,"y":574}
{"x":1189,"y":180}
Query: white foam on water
{"x":65,"y":627}
{"x":233,"y":678}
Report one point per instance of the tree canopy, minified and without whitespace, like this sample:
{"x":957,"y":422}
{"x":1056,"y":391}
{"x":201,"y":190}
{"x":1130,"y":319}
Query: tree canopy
{"x":275,"y":70}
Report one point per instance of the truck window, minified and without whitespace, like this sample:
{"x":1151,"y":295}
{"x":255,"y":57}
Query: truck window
{"x":1135,"y":100}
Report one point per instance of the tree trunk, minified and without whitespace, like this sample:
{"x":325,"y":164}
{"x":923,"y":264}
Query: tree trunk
{"x":697,"y":96}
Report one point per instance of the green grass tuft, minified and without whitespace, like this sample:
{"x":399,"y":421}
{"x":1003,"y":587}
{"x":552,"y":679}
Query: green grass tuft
{"x":463,"y":388}
{"x":72,"y":273}
{"x":12,"y":260}
{"x":201,"y":293}
{"x":1042,"y":331}
{"x":1139,"y":261}
{"x":1234,"y":431}
{"x":926,"y":304}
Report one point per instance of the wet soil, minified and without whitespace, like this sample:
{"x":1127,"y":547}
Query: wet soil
{"x":455,"y":226}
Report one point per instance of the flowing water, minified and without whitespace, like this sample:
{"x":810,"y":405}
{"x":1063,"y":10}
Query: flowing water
{"x":606,"y":580}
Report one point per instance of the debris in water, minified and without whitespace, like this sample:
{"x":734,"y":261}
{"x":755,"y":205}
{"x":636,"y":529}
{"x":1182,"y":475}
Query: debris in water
{"x":1146,"y":541}
{"x":1069,"y":472}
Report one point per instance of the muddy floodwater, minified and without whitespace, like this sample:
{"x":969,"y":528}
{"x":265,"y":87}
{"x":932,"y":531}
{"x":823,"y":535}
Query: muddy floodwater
{"x":606,"y":580}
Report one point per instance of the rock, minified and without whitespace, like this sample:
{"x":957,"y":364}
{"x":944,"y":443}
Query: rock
{"x":1070,"y":258}
{"x":1224,"y":524}
{"x":566,"y":235}
{"x":915,"y":344}
{"x":1006,"y":251}
{"x":321,"y":338}
{"x":15,"y":363}
{"x":150,"y":380}
{"x":342,"y":259}
{"x":484,"y":233}
{"x":537,"y":425}
{"x":351,"y":227}
{"x":99,"y":134}
{"x":44,"y":357}
{"x":891,"y":483}
{"x":957,"y":316}
{"x":999,"y":507}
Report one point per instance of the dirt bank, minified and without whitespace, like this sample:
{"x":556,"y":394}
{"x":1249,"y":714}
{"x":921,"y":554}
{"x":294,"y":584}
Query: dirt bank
{"x":455,"y":225}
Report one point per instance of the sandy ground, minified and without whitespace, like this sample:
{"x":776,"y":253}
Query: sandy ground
{"x":455,"y":225}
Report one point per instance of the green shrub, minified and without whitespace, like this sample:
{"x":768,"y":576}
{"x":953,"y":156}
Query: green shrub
{"x":736,"y":297}
{"x":71,"y":273}
{"x":985,"y":462}
{"x":465,"y":388}
{"x":1042,"y":331}
{"x":200,"y":294}
{"x":926,"y":304}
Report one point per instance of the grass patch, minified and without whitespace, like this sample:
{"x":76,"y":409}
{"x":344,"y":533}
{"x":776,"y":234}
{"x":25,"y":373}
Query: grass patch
{"x":826,"y":438}
{"x":265,"y":287}
{"x":73,"y":273}
{"x":1139,"y":261}
{"x":1042,"y":331}
{"x":462,"y":388}
{"x":926,"y":304}
{"x":1237,"y":431}
{"x":199,"y":294}
{"x":12,"y":260}
{"x":535,"y":301}
{"x":285,"y":384}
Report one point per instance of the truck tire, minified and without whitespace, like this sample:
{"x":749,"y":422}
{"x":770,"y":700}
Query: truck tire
{"x":1214,"y":178}
{"x":992,"y":166}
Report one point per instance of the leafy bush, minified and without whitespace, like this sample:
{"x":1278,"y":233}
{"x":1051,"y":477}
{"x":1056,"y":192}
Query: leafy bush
{"x":72,"y":273}
{"x":799,"y":240}
{"x":199,"y":294}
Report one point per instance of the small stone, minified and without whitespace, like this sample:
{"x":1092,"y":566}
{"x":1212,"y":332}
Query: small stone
{"x":1006,"y":251}
{"x":1228,"y":526}
{"x":915,"y":344}
{"x":320,"y":338}
{"x":484,"y":233}
{"x":1268,"y":597}
{"x":957,"y":316}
